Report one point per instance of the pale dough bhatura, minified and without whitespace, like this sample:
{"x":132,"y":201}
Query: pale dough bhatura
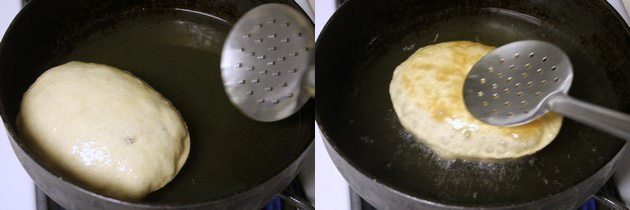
{"x":104,"y":128}
{"x":426,"y":92}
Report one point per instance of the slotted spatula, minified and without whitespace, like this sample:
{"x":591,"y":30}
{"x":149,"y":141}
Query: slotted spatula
{"x":267,"y":63}
{"x":521,"y":81}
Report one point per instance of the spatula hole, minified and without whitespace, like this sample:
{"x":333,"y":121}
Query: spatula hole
{"x":482,"y":81}
{"x":524,"y":75}
{"x":531,"y":55}
{"x":494,"y":86}
{"x":495,"y":95}
{"x":556,"y":79}
{"x":517,"y":54}
{"x":480,"y":93}
{"x":509,"y":114}
{"x":544,"y":59}
{"x":502,"y":60}
{"x":490,"y":69}
{"x":529,"y":65}
{"x":507,"y":103}
{"x":553,"y":68}
{"x":519,"y":94}
{"x":506,"y":90}
{"x":484,"y":103}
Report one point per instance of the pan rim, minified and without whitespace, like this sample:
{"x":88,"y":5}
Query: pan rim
{"x":434,"y":203}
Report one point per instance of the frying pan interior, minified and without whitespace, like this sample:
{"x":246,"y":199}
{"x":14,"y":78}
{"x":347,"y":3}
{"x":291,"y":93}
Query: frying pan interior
{"x":365,"y":40}
{"x":175,"y":47}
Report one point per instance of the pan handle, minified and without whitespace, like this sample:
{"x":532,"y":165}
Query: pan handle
{"x":296,"y":201}
{"x":609,"y":201}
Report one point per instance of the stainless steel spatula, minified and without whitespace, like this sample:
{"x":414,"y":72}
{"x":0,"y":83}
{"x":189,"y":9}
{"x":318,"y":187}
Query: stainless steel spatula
{"x":519,"y":82}
{"x":267,"y":63}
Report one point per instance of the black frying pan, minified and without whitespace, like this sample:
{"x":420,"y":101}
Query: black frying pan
{"x":174,"y":46}
{"x":364,"y":41}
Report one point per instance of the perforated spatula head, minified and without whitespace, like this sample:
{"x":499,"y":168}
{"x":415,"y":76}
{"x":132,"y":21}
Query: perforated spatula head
{"x":511,"y":85}
{"x":265,"y":59}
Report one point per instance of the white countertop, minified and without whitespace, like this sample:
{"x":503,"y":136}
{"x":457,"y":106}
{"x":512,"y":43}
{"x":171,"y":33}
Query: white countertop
{"x":331,"y":190}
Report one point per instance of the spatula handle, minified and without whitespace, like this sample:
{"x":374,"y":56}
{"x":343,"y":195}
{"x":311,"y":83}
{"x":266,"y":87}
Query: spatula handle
{"x":610,"y":121}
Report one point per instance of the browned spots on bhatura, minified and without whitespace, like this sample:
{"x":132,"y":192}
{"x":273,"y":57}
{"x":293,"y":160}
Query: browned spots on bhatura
{"x":460,"y":56}
{"x":453,"y":75}
{"x":422,"y":66}
{"x":440,"y":113}
{"x":408,"y":85}
{"x":450,"y":73}
{"x":438,"y":75}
